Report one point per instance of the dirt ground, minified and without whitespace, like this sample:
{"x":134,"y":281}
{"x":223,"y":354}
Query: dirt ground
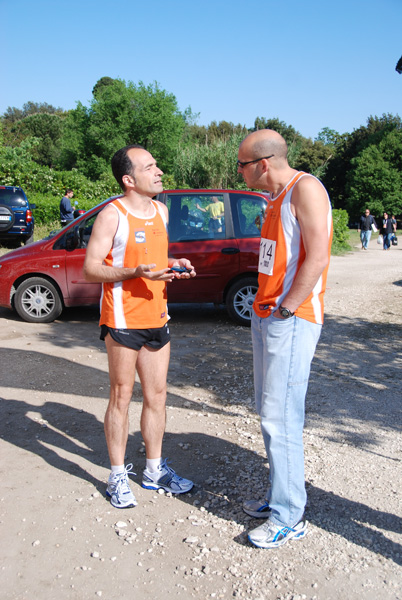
{"x":62,"y":539}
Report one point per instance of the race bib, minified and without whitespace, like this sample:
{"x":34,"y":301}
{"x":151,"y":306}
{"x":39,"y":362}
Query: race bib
{"x":267,"y":256}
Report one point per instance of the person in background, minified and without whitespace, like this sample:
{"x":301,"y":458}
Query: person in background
{"x":387,"y":231}
{"x":366,"y":227}
{"x":66,"y":210}
{"x":216,"y":213}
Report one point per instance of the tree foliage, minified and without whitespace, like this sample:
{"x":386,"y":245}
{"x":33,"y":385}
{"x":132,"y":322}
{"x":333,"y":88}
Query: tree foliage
{"x":375,"y":179}
{"x":212,"y":165}
{"x":46,"y":149}
{"x":349,"y":147}
{"x":121,"y":114}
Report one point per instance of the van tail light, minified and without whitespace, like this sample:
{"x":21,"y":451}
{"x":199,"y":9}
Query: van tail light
{"x":28,"y":216}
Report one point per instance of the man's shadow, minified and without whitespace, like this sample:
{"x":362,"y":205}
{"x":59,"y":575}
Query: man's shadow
{"x":221,"y":482}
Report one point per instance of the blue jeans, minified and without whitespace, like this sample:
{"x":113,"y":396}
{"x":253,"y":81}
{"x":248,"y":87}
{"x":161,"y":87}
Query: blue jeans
{"x":283,"y":350}
{"x":365,"y":237}
{"x":387,"y":237}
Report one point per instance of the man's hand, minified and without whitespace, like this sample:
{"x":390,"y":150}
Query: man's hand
{"x":146,"y":272}
{"x":186,"y":264}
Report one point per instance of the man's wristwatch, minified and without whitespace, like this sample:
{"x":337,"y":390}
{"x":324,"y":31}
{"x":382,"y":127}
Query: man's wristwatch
{"x":285,"y":312}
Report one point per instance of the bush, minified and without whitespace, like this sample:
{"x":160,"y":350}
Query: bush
{"x":340,"y":238}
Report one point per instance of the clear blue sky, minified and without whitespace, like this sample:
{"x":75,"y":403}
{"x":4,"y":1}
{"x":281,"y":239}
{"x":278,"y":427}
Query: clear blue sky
{"x":312,"y":64}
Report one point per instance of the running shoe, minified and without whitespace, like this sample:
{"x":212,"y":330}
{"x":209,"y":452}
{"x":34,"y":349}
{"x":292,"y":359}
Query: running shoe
{"x":166,"y":479}
{"x":259,"y":509}
{"x":269,"y":535}
{"x":118,"y":489}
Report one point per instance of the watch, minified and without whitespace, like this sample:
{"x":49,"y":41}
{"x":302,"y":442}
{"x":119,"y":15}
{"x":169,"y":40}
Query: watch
{"x":285,"y":312}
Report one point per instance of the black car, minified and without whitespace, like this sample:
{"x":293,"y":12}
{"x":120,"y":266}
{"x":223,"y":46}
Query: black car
{"x":16,"y":218}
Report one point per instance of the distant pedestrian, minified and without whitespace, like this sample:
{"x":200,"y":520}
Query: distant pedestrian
{"x":387,"y":231}
{"x":366,"y":227}
{"x":66,"y":210}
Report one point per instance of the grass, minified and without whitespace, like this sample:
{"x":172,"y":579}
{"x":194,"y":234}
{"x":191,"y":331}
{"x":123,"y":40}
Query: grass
{"x":40,"y":232}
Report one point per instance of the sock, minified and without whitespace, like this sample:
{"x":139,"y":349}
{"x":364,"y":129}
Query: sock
{"x":117,"y":469}
{"x":153,"y":464}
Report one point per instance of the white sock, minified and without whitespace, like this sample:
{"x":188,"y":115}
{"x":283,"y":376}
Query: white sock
{"x":153,"y":464}
{"x":117,"y":469}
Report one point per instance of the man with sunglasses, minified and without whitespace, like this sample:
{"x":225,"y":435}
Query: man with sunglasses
{"x":288,"y":312}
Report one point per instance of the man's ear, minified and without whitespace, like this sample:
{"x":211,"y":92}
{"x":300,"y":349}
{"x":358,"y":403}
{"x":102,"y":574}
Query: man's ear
{"x":265,"y":165}
{"x":128,"y":180}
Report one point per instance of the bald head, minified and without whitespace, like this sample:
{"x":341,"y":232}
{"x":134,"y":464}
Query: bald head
{"x":264,"y":142}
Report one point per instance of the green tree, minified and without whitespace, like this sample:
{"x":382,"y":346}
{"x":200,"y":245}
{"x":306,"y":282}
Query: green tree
{"x":375,"y":179}
{"x":329,"y":137}
{"x":349,"y":147}
{"x":101,"y":84}
{"x":121,"y":114}
{"x":47,"y":129}
{"x":209,"y":166}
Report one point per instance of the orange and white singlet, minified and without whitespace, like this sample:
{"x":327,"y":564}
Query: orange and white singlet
{"x":281,"y":254}
{"x":136,"y":303}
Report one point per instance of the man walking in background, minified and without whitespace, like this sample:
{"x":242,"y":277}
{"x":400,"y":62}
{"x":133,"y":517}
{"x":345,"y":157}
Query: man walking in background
{"x":287,"y":318}
{"x":366,"y":227}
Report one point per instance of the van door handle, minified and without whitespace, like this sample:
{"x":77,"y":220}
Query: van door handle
{"x":230,"y":250}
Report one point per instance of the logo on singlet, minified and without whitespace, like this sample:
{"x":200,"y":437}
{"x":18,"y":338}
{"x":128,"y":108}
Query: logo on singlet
{"x":140,"y":237}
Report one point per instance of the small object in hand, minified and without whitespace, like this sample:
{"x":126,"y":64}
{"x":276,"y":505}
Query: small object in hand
{"x":179,"y":270}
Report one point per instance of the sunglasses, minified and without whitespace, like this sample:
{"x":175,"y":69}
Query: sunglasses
{"x":249,"y":162}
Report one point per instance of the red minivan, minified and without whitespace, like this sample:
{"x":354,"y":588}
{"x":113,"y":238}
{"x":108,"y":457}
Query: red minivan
{"x":39,"y":280}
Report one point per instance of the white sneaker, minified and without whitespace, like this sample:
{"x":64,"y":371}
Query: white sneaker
{"x":166,"y":479}
{"x":118,"y":489}
{"x":269,"y":535}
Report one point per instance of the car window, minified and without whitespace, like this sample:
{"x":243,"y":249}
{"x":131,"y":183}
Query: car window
{"x":10,"y":198}
{"x":248,"y":212}
{"x":76,"y":236}
{"x":195,"y":216}
{"x":85,"y":230}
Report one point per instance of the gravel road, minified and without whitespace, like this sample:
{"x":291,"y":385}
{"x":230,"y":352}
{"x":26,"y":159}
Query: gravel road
{"x":62,"y":539}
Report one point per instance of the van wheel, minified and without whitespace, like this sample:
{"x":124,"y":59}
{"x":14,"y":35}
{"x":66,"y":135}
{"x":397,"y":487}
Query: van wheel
{"x":37,"y":301}
{"x":240,"y":298}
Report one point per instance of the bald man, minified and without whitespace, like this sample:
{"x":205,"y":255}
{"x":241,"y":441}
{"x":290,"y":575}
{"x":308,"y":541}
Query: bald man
{"x":287,"y":318}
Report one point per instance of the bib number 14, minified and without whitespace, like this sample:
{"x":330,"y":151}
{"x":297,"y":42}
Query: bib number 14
{"x":267,"y":256}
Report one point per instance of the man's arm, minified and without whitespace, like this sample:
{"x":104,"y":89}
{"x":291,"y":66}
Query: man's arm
{"x":99,"y":245}
{"x":310,"y":206}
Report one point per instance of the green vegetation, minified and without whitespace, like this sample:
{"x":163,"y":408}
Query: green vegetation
{"x":45,"y":149}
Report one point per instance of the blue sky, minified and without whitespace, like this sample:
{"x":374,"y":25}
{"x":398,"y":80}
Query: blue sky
{"x":312,"y":64}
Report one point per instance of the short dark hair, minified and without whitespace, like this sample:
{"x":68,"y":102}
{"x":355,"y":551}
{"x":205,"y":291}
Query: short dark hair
{"x":68,"y":191}
{"x":122,"y":165}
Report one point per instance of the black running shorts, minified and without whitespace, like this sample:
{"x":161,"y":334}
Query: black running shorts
{"x":137,"y":338}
